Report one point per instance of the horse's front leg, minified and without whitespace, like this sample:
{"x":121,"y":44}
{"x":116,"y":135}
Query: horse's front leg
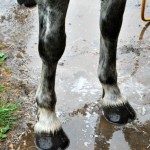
{"x":116,"y":109}
{"x":52,"y":40}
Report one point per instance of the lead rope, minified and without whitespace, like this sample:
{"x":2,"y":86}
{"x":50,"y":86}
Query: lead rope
{"x":143,"y":11}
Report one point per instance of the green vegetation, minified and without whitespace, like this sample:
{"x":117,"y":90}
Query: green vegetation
{"x":8,"y":110}
{"x":7,"y":69}
{"x":2,"y":88}
{"x":3,"y":56}
{"x":2,"y":46}
{"x":7,"y":117}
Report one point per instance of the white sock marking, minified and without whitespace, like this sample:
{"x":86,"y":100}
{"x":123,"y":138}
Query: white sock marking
{"x":48,"y":122}
{"x":112,"y":96}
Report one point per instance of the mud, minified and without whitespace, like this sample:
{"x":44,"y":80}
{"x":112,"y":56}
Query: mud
{"x":77,"y":86}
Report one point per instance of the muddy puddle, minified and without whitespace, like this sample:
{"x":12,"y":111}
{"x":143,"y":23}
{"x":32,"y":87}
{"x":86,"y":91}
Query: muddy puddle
{"x":77,"y":87}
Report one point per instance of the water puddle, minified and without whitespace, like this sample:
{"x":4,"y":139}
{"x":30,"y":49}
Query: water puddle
{"x":87,"y":129}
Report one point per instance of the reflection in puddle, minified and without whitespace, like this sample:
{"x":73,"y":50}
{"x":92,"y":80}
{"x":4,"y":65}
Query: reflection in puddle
{"x":27,"y":140}
{"x":130,"y":137}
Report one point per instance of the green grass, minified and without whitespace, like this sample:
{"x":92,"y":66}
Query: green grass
{"x":3,"y":56}
{"x":7,"y":117}
{"x":7,"y":69}
{"x":2,"y":46}
{"x":2,"y":88}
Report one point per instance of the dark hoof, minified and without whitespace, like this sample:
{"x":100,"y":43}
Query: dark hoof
{"x":20,"y":2}
{"x":27,"y":3}
{"x":56,"y":141}
{"x":119,"y":114}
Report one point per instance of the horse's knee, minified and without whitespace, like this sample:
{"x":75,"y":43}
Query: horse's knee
{"x":51,"y":47}
{"x":111,"y":19}
{"x":27,"y":3}
{"x":52,"y":37}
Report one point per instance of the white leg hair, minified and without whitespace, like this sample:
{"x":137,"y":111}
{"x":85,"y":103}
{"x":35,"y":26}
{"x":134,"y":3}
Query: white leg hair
{"x":48,"y":122}
{"x":112,"y":96}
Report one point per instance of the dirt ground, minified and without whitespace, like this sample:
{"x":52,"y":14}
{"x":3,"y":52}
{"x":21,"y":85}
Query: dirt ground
{"x":77,"y":86}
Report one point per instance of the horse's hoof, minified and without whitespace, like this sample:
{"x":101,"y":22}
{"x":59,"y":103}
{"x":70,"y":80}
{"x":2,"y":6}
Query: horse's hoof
{"x":119,"y":114}
{"x":27,"y":3}
{"x":50,"y":141}
{"x":20,"y":2}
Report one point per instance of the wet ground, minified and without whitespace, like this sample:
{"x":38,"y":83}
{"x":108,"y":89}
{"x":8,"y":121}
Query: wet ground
{"x":77,"y":86}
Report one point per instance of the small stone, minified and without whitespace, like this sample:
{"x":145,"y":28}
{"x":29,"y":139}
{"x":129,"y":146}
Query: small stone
{"x":19,"y":55}
{"x":11,"y":146}
{"x":61,"y":63}
{"x":86,"y":144}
